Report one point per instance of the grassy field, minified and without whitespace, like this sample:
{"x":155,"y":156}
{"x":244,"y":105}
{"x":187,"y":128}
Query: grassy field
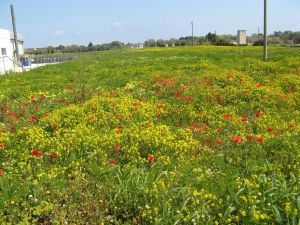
{"x":204,"y":135}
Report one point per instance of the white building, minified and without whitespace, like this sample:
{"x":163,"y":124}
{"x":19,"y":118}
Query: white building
{"x":7,"y":50}
{"x":242,"y":37}
{"x":137,"y":46}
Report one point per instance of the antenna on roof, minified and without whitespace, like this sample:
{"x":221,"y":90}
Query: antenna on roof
{"x":15,"y":31}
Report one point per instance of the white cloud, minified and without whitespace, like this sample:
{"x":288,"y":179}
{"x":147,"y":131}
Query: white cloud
{"x":119,"y":24}
{"x":58,"y":33}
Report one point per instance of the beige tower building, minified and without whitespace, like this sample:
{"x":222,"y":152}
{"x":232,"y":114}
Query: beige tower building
{"x":242,"y":37}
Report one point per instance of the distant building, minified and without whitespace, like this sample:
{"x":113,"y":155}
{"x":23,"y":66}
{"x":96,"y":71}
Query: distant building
{"x":137,"y":46}
{"x":242,"y":37}
{"x":8,"y":49}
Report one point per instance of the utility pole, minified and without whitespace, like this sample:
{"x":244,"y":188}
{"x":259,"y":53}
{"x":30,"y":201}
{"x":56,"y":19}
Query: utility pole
{"x":192,"y":23}
{"x":266,"y":30}
{"x":15,"y":31}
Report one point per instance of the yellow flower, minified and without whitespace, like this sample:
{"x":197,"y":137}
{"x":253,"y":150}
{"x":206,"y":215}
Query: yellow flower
{"x":243,"y":213}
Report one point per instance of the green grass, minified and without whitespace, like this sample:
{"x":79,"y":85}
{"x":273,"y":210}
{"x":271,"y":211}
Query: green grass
{"x":152,"y":137}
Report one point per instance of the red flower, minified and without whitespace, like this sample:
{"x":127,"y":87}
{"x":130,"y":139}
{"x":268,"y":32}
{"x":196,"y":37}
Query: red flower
{"x":219,"y":130}
{"x":219,"y":141}
{"x":226,"y":117}
{"x":237,"y":140}
{"x":150,"y":158}
{"x":4,"y":108}
{"x":269,"y":129}
{"x":2,"y":145}
{"x":160,"y":106}
{"x":33,"y":99}
{"x":200,"y":130}
{"x":259,"y":139}
{"x":245,"y":119}
{"x":37,"y":153}
{"x":158,"y":115}
{"x":258,"y":113}
{"x":52,"y":155}
{"x":117,"y":148}
{"x":147,"y":127}
{"x":1,"y":172}
{"x":33,"y":119}
{"x":112,"y":162}
{"x":249,"y":137}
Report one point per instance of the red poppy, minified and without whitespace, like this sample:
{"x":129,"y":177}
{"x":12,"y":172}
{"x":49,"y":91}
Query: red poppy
{"x":237,"y":140}
{"x":120,"y":127}
{"x":219,"y":130}
{"x":2,"y":145}
{"x":269,"y":129}
{"x":4,"y":108}
{"x":160,"y":106}
{"x":1,"y":172}
{"x":192,"y":127}
{"x":249,"y":137}
{"x":52,"y":155}
{"x":219,"y":141}
{"x":259,"y":139}
{"x":117,"y":148}
{"x":150,"y":158}
{"x":33,"y":99}
{"x":37,"y":153}
{"x":226,"y":117}
{"x":258,"y":113}
{"x":147,"y":127}
{"x":245,"y":119}
{"x":158,"y":115}
{"x":200,"y":130}
{"x":112,"y":162}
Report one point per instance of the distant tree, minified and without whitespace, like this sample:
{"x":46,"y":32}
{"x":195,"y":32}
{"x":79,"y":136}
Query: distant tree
{"x":90,"y":47}
{"x":50,"y":50}
{"x":161,"y":43}
{"x":296,"y":38}
{"x":151,"y":43}
{"x":258,"y":43}
{"x":116,"y":45}
{"x":211,"y":37}
{"x":223,"y":41}
{"x":60,"y":48}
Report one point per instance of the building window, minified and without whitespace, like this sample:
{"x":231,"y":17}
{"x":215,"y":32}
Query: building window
{"x":3,"y":51}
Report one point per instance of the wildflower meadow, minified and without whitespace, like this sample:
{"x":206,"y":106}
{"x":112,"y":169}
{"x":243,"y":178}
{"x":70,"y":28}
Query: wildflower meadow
{"x":188,"y":135}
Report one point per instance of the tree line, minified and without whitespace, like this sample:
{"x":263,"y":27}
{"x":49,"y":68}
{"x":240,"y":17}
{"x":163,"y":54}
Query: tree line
{"x":277,"y":38}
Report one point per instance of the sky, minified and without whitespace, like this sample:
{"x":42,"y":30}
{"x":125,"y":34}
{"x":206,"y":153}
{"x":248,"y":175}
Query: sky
{"x":55,"y":22}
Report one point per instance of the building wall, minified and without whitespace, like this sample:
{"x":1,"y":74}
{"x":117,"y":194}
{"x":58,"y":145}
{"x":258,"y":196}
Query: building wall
{"x":6,"y":65}
{"x":242,"y":37}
